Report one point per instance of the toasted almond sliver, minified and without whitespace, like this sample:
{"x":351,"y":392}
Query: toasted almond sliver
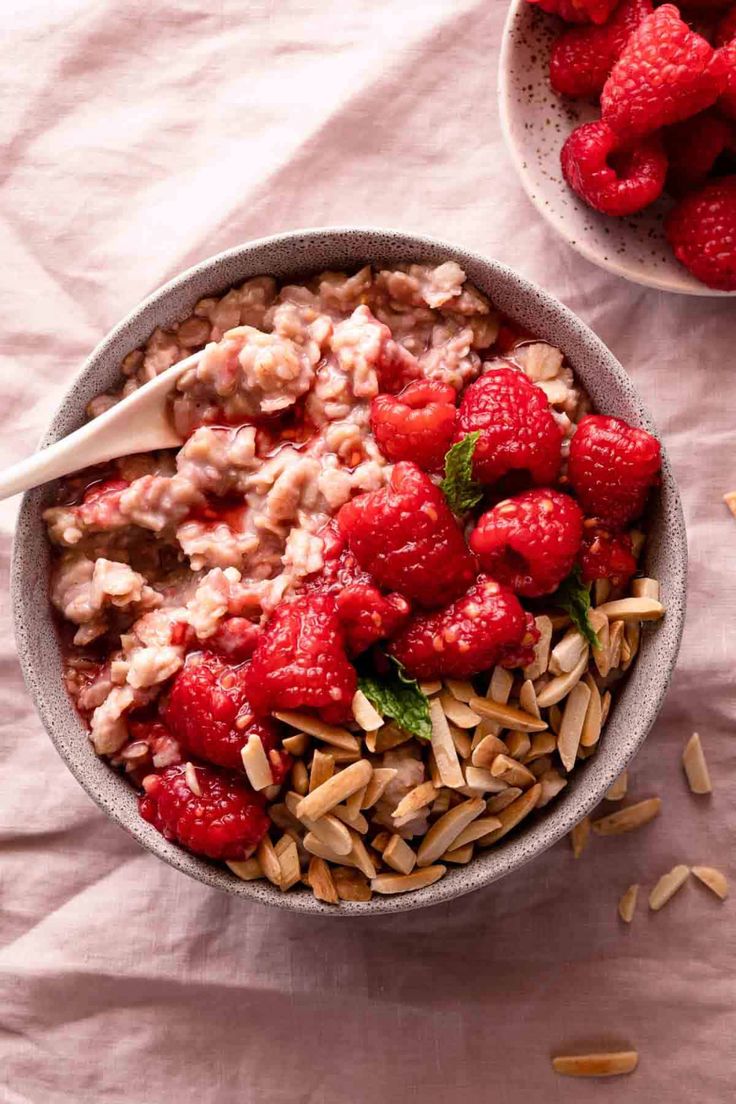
{"x":421,"y":795}
{"x":269,"y":861}
{"x":592,"y":724}
{"x":458,"y":712}
{"x":596,"y":1065}
{"x":441,"y":803}
{"x":606,"y":700}
{"x":486,"y":751}
{"x":351,"y":884}
{"x":628,"y":818}
{"x":343,"y":755}
{"x":323,"y":767}
{"x":332,"y":832}
{"x":378,"y":783}
{"x":579,"y":836}
{"x":645,"y":588}
{"x":321,"y":881}
{"x":247,"y":871}
{"x":445,"y":753}
{"x":328,"y":734}
{"x":538,"y":666}
{"x":315,"y":846}
{"x":399,"y":856}
{"x":542,"y":743}
{"x":358,"y":823}
{"x":567,"y":652}
{"x":335,"y":790}
{"x":668,"y":885}
{"x":617,"y":790}
{"x":552,"y":783}
{"x":459,"y":855}
{"x":558,"y":688}
{"x":507,"y":715}
{"x":627,"y":903}
{"x":479,"y":780}
{"x":369,"y":719}
{"x":528,"y":698}
{"x":615,"y":644}
{"x":512,"y":814}
{"x":256,"y":763}
{"x":541,"y":765}
{"x":714,"y":879}
{"x":379,"y":842}
{"x":475,"y":830}
{"x":519,"y":744}
{"x":632,"y":639}
{"x":288,"y":856}
{"x":571,"y":728}
{"x":359,"y":856}
{"x":696,"y":768}
{"x":354,"y":803}
{"x":387,"y":738}
{"x":508,"y":770}
{"x":502,"y":800}
{"x":460,"y":689}
{"x":299,"y":777}
{"x":500,"y":686}
{"x":296,"y":745}
{"x":602,"y":630}
{"x":430,"y":687}
{"x":406,"y":883}
{"x":462,"y":742}
{"x":442,"y":834}
{"x":633,"y":609}
{"x":190,"y":774}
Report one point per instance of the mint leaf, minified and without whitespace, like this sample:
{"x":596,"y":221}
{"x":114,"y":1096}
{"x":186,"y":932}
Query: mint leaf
{"x":460,"y":489}
{"x":398,"y":696}
{"x":573,"y":597}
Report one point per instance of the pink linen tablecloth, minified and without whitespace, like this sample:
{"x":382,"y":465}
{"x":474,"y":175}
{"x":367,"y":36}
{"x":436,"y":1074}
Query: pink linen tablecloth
{"x":139,"y":137}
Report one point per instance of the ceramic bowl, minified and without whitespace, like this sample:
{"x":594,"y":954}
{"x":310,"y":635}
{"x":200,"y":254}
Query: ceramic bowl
{"x":298,"y":254}
{"x":535,"y":123}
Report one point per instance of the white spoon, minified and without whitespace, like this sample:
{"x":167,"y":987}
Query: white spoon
{"x":140,"y":423}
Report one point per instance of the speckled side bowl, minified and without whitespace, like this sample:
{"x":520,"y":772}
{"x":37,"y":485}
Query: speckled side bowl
{"x":535,"y":123}
{"x":291,"y":255}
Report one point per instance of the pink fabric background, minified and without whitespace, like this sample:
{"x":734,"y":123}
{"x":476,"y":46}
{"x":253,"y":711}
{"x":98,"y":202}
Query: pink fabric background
{"x":140,"y":137}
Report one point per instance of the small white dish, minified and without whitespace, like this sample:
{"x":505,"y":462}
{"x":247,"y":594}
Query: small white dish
{"x":535,"y":123}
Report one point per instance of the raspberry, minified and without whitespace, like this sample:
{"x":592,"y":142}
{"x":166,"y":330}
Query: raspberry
{"x":407,"y":538}
{"x":209,"y":713}
{"x":300,"y":661}
{"x":417,"y":424}
{"x":666,"y":73}
{"x":518,"y":430}
{"x":693,"y":148}
{"x":702,"y":232}
{"x":366,"y":615}
{"x":727,"y":102}
{"x":529,"y":543}
{"x":612,"y":467}
{"x":582,"y":57}
{"x":163,"y":748}
{"x":235,"y":639}
{"x":606,"y":555}
{"x":471,"y":635}
{"x":578,"y":11}
{"x":226,"y":821}
{"x":726,"y":29}
{"x":609,"y":179}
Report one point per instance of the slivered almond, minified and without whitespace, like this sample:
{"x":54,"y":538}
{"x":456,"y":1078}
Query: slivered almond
{"x":445,"y":754}
{"x":605,"y":706}
{"x":486,"y":751}
{"x":593,"y":722}
{"x":323,"y":767}
{"x":555,"y":719}
{"x":627,"y":903}
{"x":552,"y":783}
{"x":715,"y":880}
{"x":332,"y":832}
{"x":321,"y":881}
{"x":399,"y":856}
{"x":357,"y":823}
{"x":667,"y":886}
{"x":567,"y":652}
{"x":628,"y":818}
{"x":369,"y":719}
{"x":512,"y":815}
{"x":615,"y":643}
{"x":518,"y":744}
{"x":343,"y":755}
{"x":354,"y":803}
{"x":421,"y":795}
{"x":190,"y":774}
{"x":542,"y":743}
{"x":299,"y":777}
{"x":386,"y":739}
{"x":256,"y":763}
{"x":407,"y":883}
{"x":458,"y":712}
{"x":499,"y":688}
{"x":579,"y":836}
{"x":645,"y":588}
{"x":269,"y":862}
{"x":296,"y":745}
{"x":443,"y":833}
{"x":617,"y":790}
{"x":378,"y":843}
{"x":541,"y":765}
{"x":328,"y":734}
{"x":528,"y":699}
{"x":632,"y":639}
{"x":560,"y":687}
{"x":596,"y":1065}
{"x":335,"y":790}
{"x":479,"y":780}
{"x":507,"y":715}
{"x":288,"y":856}
{"x":696,"y":768}
{"x":430,"y":687}
{"x":508,"y":770}
{"x":460,"y":689}
{"x":571,"y":728}
{"x":502,"y":801}
{"x":462,"y":742}
{"x":477,"y":828}
{"x":378,"y":783}
{"x":351,"y":885}
{"x":359,"y":856}
{"x":247,"y":871}
{"x":459,"y":855}
{"x":633,"y":609}
{"x":315,"y":846}
{"x":602,"y":630}
{"x":538,"y":666}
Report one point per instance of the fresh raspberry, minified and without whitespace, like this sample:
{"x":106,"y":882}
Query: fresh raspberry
{"x":407,"y":538}
{"x":726,"y":29}
{"x":702,"y":232}
{"x":417,"y":424}
{"x":611,"y":468}
{"x":518,"y":430}
{"x":606,"y":554}
{"x":366,"y":615}
{"x":209,"y":713}
{"x":235,"y":639}
{"x":227,"y":820}
{"x":471,"y":635}
{"x":529,"y":543}
{"x":693,"y":147}
{"x":300,"y":661}
{"x":582,"y":57}
{"x":610,"y":179}
{"x":521,"y":655}
{"x":666,"y":73}
{"x":578,"y":11}
{"x":727,"y":102}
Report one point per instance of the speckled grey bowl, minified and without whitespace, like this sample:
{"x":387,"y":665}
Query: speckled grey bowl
{"x":300,"y":253}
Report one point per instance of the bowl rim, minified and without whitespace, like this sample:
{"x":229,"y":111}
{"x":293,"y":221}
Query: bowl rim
{"x":579,"y":243}
{"x":559,"y":820}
